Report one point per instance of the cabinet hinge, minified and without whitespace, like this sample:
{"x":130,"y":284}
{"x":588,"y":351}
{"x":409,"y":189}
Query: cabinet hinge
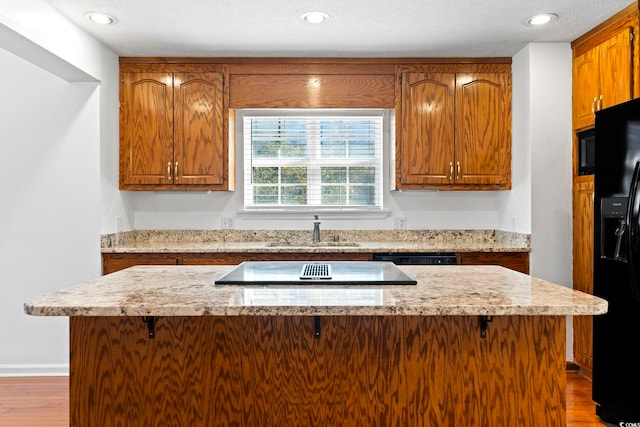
{"x":632,"y":36}
{"x":400,"y":79}
{"x":223,"y":80}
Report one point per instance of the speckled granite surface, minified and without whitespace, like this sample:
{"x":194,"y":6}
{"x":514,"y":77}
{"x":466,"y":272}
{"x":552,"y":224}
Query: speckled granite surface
{"x":441,"y":290}
{"x":285,"y":241}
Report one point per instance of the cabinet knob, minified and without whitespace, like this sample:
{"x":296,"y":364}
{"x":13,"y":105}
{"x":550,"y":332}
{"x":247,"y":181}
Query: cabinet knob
{"x":450,"y":171}
{"x":175,"y":171}
{"x":600,"y":103}
{"x":169,"y":171}
{"x":593,"y":105}
{"x":458,"y":174}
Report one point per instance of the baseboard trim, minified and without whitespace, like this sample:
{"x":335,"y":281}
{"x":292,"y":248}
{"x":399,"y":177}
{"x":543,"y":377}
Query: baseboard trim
{"x":34,"y":370}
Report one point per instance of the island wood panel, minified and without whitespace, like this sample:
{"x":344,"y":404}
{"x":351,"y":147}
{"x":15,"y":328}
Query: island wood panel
{"x":271,"y":371}
{"x":311,"y":91}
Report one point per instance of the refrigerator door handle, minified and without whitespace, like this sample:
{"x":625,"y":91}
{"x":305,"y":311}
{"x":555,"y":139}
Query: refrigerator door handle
{"x":633,"y":224}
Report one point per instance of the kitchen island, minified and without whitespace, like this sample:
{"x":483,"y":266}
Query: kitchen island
{"x":467,"y":345}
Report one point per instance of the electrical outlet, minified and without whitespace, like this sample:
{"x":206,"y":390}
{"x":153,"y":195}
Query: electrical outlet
{"x":226,"y":222}
{"x":400,"y":223}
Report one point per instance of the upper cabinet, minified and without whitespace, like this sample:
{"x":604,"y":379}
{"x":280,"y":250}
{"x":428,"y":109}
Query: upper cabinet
{"x":453,"y":127}
{"x":174,"y":128}
{"x":602,"y":72}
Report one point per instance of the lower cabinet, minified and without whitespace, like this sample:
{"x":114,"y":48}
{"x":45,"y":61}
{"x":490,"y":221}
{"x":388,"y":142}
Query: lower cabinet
{"x":518,"y":261}
{"x":583,"y":268}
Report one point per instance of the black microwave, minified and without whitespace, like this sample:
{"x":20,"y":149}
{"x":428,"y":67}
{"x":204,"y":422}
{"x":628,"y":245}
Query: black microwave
{"x":586,"y":152}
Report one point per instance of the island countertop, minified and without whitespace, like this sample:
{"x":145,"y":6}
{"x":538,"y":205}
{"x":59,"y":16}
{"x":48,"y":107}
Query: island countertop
{"x":440,"y":291}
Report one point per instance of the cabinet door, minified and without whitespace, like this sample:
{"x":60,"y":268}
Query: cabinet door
{"x":146,"y":129}
{"x":585,"y":88}
{"x":483,"y":130}
{"x":616,"y":69}
{"x":198,"y":139}
{"x":426,"y":146}
{"x":583,"y":267}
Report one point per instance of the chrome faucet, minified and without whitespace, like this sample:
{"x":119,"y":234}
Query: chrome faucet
{"x":316,"y":229}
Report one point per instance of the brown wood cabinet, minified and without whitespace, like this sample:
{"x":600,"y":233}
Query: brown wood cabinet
{"x":602,"y":76}
{"x":583,"y":268}
{"x":518,"y":261}
{"x":111,"y":263}
{"x":453,"y":128}
{"x":174,"y":128}
{"x":114,"y":262}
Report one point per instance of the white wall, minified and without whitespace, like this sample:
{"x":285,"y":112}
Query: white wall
{"x":50,"y":216}
{"x":52,"y":133}
{"x":542,"y":123}
{"x":542,"y":129}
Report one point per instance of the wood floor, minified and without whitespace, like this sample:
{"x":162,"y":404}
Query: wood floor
{"x":36,"y":402}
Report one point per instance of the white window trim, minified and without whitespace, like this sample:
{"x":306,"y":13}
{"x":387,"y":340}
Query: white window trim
{"x":328,"y":212}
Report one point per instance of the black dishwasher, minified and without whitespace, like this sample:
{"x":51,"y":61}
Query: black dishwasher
{"x":417,"y":258}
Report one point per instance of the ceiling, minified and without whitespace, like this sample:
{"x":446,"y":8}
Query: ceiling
{"x":356,"y":28}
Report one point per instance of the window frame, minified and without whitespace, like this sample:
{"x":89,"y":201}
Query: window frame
{"x":379,"y":162}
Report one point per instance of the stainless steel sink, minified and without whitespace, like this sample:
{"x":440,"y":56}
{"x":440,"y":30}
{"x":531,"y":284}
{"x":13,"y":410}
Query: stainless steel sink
{"x":312,"y":245}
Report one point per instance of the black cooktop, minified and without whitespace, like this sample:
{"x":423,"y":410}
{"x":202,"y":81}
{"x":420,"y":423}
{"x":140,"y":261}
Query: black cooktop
{"x":316,"y":273}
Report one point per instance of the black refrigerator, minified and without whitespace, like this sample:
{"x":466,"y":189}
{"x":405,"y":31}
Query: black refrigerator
{"x":616,"y":335}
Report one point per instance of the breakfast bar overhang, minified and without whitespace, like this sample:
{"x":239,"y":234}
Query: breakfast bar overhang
{"x":466,"y":345}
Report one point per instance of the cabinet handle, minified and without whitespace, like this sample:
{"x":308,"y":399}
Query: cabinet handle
{"x":593,"y":105}
{"x":450,"y":171}
{"x":169,"y":170}
{"x":458,"y":174}
{"x":600,"y":103}
{"x":175,"y":171}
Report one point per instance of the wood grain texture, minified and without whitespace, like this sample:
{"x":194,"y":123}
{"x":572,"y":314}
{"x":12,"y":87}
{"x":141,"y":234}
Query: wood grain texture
{"x":585,"y":88}
{"x":115,"y":262}
{"x":271,"y":371}
{"x":44,"y":401}
{"x":427,"y":152}
{"x":616,"y":65}
{"x":583,"y":268}
{"x":518,"y":261}
{"x":174,"y":127}
{"x":454,"y":128}
{"x":603,"y":67}
{"x":483,"y":129}
{"x":200,"y":155}
{"x":146,"y":128}
{"x":248,"y":65}
{"x":311,"y":91}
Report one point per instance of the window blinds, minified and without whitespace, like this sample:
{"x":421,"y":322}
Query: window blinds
{"x":313,"y":161}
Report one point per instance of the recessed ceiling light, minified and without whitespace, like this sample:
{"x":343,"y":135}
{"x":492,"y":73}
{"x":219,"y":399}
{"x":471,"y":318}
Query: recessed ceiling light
{"x":314,"y":17}
{"x":100,"y":18}
{"x":542,"y":18}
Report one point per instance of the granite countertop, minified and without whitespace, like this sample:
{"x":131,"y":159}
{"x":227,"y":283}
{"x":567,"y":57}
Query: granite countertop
{"x":441,"y":290}
{"x":287,"y":241}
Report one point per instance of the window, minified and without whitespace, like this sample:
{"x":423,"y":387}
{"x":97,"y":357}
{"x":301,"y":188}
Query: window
{"x":320,"y":160}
